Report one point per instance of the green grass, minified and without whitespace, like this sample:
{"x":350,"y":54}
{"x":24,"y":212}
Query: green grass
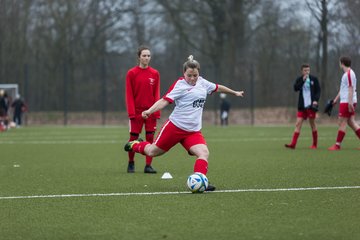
{"x":89,"y":160}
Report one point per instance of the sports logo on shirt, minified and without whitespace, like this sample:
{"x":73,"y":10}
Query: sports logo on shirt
{"x":199,"y":103}
{"x":152,"y":81}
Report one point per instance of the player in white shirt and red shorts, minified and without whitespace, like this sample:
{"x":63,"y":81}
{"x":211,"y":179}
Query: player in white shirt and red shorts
{"x":348,"y":101}
{"x":184,"y":124}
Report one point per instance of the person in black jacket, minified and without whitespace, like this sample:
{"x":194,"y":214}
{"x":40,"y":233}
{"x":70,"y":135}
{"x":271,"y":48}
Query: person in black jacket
{"x":309,"y":93}
{"x":19,"y":107}
{"x":224,"y":110}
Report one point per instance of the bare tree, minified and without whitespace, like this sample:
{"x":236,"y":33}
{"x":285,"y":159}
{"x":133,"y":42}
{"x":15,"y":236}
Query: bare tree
{"x":279,"y":47}
{"x":14,"y":25}
{"x":80,"y":50}
{"x":70,"y":41}
{"x":221,"y":31}
{"x":320,"y":11}
{"x":350,"y":18}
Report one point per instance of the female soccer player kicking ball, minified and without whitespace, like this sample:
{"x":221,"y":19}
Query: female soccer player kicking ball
{"x":184,"y":124}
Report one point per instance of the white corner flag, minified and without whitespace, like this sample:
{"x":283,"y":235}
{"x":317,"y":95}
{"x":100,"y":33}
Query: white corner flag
{"x":166,"y":175}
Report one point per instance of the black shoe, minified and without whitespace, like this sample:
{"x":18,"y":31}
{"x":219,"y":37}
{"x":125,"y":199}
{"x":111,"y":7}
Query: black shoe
{"x":129,"y":145}
{"x":131,"y":167}
{"x":149,"y":169}
{"x":210,"y":188}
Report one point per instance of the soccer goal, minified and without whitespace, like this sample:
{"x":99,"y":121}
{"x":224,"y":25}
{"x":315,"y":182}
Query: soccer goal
{"x":12,"y":90}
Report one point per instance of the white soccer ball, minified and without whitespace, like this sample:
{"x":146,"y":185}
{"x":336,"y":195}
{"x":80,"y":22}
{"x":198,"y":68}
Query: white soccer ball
{"x":197,"y":182}
{"x":12,"y":124}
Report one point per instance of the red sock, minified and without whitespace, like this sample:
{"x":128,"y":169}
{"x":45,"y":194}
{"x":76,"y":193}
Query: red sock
{"x":131,"y":154}
{"x":201,"y":166}
{"x":340,"y":137}
{"x":315,"y":137}
{"x":149,"y":139}
{"x":295,"y":138}
{"x":140,"y":147}
{"x":358,"y":133}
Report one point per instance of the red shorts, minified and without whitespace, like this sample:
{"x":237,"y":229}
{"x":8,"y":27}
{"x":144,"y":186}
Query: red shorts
{"x":170,"y":135}
{"x":344,"y":110}
{"x":136,"y":124}
{"x":307,"y":113}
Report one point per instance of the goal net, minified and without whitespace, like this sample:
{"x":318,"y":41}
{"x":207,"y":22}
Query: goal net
{"x":12,"y":90}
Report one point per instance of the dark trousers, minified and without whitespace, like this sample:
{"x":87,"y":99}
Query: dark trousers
{"x":17,"y":118}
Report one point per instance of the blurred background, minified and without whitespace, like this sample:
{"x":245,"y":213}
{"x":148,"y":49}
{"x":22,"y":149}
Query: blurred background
{"x":69,"y":58}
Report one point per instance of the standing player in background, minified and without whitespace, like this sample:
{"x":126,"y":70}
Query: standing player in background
{"x":142,"y":90}
{"x":348,"y":100}
{"x":184,"y":124}
{"x":224,"y":110}
{"x":309,"y":94}
{"x":19,"y":108}
{"x":4,"y":108}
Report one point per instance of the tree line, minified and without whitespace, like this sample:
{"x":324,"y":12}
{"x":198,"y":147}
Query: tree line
{"x":74,"y":54}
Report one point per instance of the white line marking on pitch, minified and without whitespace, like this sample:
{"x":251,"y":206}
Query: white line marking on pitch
{"x":175,"y":193}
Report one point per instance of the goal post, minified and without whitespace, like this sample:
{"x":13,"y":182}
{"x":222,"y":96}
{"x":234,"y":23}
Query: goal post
{"x":12,"y":90}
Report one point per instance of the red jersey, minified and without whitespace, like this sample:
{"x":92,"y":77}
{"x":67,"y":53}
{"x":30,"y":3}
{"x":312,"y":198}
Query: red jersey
{"x":142,"y":90}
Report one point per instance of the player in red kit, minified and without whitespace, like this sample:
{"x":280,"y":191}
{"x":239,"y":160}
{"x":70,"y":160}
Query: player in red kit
{"x":142,"y":90}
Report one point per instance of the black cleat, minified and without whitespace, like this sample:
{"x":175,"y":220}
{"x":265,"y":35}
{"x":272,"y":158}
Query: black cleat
{"x":210,"y":188}
{"x":149,"y":169}
{"x":129,"y":145}
{"x":131,"y":167}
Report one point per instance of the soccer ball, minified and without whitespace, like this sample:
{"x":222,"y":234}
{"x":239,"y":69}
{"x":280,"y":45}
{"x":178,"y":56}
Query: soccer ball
{"x":12,"y":124}
{"x":197,"y":182}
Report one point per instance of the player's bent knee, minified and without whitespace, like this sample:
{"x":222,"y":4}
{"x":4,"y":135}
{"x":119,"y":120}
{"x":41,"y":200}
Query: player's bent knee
{"x":153,"y":151}
{"x":203,"y":154}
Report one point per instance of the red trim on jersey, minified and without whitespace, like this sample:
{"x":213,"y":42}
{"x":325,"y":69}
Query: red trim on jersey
{"x":215,"y":90}
{"x":173,"y":85}
{"x":168,"y":99}
{"x":349,"y":78}
{"x":170,"y":89}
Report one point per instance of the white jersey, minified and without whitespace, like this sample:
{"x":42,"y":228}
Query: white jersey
{"x":189,"y":102}
{"x":307,"y":93}
{"x":348,"y":79}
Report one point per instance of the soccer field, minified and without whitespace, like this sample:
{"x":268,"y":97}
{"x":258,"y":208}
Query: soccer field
{"x":71,"y":183}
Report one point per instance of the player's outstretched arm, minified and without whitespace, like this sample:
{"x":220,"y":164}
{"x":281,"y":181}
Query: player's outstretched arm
{"x":224,"y":89}
{"x":158,"y":105}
